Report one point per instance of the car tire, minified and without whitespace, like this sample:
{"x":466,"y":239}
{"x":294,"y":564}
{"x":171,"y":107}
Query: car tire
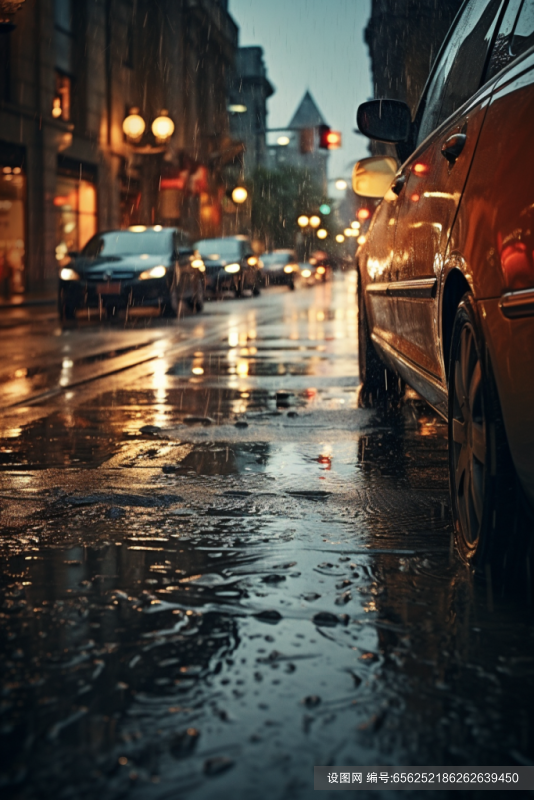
{"x":376,"y":379}
{"x":66,"y":310}
{"x":171,"y":306}
{"x":196,"y":301}
{"x":485,"y":496}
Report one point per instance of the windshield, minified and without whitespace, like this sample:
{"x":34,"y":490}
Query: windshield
{"x":219,"y":248}
{"x":130,"y":243}
{"x":277,"y":258}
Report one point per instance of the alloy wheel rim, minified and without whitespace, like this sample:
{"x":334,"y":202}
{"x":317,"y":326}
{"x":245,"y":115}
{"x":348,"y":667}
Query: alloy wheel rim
{"x":468,"y":438}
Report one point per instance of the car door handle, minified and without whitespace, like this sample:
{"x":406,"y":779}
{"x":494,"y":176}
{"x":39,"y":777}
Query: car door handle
{"x":399,"y":184}
{"x":453,"y":146}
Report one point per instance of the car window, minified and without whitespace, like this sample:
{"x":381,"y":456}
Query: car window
{"x":459,"y":72}
{"x":219,"y":248}
{"x":523,"y":34}
{"x":121,"y":243}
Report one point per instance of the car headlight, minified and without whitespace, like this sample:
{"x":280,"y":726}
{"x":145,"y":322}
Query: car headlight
{"x":306,"y":273}
{"x":68,"y":274}
{"x":233,"y":268}
{"x":288,"y":269}
{"x":155,"y":272}
{"x":252,"y":261}
{"x":197,"y":263}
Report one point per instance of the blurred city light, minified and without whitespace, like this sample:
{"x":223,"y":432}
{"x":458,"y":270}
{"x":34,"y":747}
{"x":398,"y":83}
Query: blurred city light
{"x":303,"y":220}
{"x":239,"y":194}
{"x":134,"y":125}
{"x":315,"y":221}
{"x":341,"y":184}
{"x":163,"y":126}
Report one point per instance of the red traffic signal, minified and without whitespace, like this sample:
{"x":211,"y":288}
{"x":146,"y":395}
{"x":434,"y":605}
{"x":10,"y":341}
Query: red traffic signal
{"x":329,"y":139}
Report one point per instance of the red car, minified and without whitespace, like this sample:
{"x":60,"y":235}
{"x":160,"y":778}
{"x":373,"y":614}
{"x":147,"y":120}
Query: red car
{"x":446,"y":289}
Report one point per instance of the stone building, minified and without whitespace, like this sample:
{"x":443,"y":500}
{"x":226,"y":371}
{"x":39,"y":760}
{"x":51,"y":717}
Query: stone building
{"x":70,"y":73}
{"x":403,"y":40}
{"x":302,"y":149}
{"x":249,"y":92}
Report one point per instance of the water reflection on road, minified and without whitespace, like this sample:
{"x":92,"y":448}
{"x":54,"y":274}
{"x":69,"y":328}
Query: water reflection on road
{"x":213,"y":580}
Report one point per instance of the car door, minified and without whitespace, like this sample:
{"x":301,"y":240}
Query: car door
{"x":376,"y":257}
{"x":450,"y":118}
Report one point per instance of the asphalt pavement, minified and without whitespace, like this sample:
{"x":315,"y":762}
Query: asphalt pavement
{"x":219,"y":570}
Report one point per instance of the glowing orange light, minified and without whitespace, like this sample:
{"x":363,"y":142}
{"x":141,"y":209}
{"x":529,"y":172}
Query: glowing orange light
{"x":420,"y":169}
{"x":333,"y":139}
{"x":415,"y":198}
{"x":363,"y":214}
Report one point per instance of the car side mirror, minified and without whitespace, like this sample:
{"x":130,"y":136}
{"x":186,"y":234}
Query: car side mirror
{"x":372,"y":177}
{"x":385,"y":120}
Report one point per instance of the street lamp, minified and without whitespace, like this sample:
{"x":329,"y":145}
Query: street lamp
{"x":163,"y":127}
{"x":303,"y":221}
{"x":340,"y":238}
{"x":315,"y":221}
{"x":134,"y":125}
{"x":239,"y":194}
{"x":322,"y":233}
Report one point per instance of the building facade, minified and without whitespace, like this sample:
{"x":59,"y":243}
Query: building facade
{"x":301,"y":148}
{"x":249,"y":92}
{"x":403,"y":39}
{"x":70,"y":73}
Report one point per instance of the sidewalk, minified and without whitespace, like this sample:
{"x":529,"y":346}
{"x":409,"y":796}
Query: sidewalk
{"x":44,"y":298}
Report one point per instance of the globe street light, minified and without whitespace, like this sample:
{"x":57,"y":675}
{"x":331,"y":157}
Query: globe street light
{"x":163,"y":127}
{"x":340,"y":238}
{"x":134,"y":125}
{"x":303,"y":220}
{"x":239,"y":194}
{"x":322,"y":233}
{"x":315,"y":221}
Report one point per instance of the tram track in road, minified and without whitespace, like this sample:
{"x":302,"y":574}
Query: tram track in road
{"x":103,"y":369}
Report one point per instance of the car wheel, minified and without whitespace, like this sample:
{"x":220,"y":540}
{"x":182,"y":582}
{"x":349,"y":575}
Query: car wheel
{"x":377,"y":380}
{"x":66,"y":310}
{"x":196,"y":301}
{"x":482,"y":477}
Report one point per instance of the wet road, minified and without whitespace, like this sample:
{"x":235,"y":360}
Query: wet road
{"x":218,"y":571}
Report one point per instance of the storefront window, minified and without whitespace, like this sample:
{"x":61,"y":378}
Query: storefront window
{"x":12,"y":230}
{"x":75,"y":202}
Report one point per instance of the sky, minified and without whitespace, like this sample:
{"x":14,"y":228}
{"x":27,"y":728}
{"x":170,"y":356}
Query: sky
{"x":316,"y":45}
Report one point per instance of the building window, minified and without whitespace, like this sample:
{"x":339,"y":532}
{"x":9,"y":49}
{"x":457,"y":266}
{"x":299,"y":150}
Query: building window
{"x":64,"y":35}
{"x":129,"y":49}
{"x":76,"y":220}
{"x":5,"y":67}
{"x":12,"y":229}
{"x":61,"y":105}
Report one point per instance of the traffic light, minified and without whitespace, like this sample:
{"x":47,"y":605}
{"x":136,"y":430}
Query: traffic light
{"x":329,"y":139}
